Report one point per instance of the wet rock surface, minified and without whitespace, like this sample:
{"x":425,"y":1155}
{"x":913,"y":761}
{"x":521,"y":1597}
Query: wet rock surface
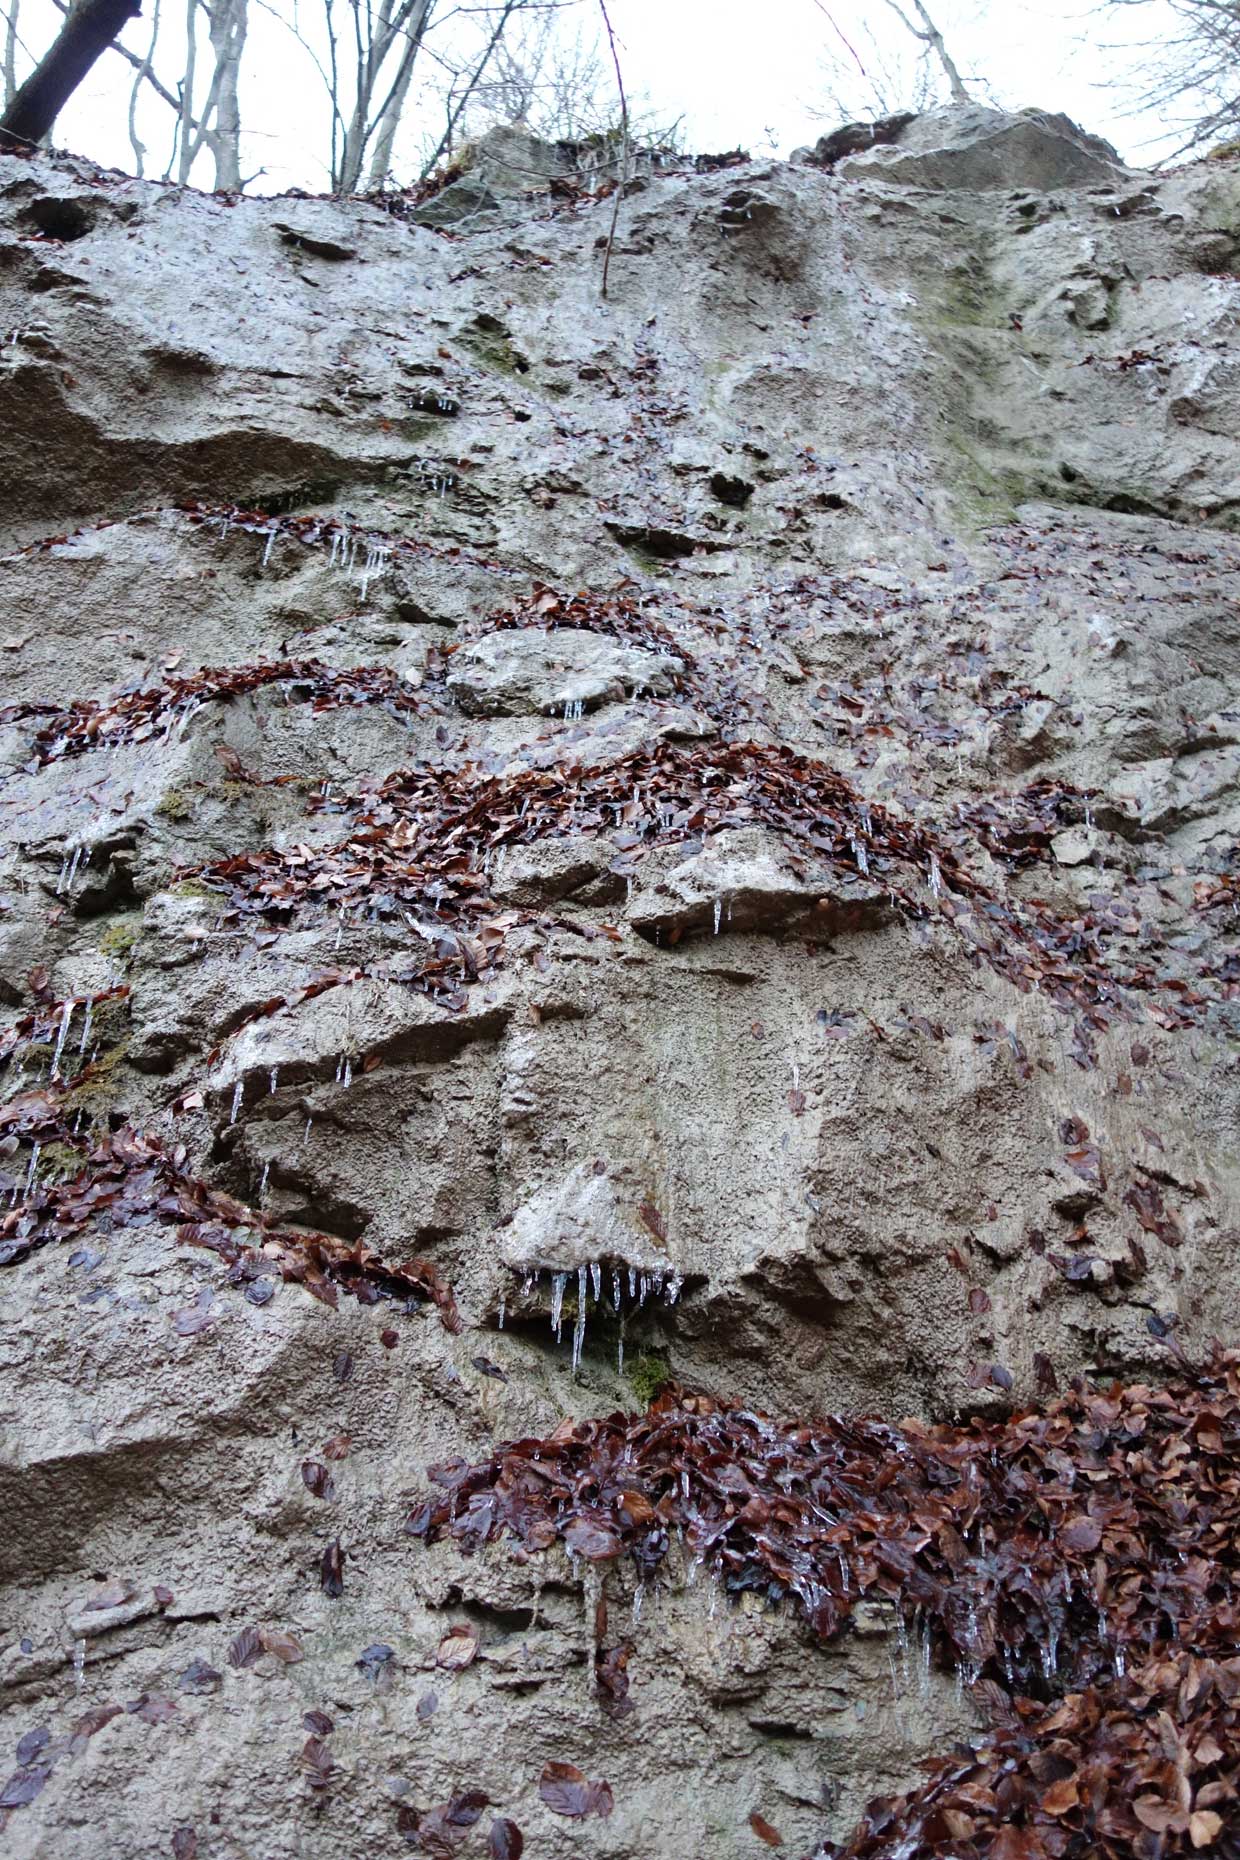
{"x":550,"y":846}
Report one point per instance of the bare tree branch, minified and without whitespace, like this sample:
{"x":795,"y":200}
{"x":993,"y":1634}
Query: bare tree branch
{"x":930,"y":35}
{"x":86,"y":34}
{"x":455,"y":110}
{"x":10,"y":53}
{"x":840,"y":34}
{"x":624,"y":130}
{"x":144,"y":71}
{"x":1189,"y":75}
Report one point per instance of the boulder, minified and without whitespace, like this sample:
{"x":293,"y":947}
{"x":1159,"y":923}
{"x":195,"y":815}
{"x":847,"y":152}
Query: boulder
{"x":748,"y":879}
{"x":529,"y":672}
{"x":977,"y":149}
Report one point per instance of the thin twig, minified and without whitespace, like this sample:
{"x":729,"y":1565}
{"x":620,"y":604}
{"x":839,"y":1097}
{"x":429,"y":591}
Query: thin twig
{"x":839,"y":31}
{"x":624,"y":156}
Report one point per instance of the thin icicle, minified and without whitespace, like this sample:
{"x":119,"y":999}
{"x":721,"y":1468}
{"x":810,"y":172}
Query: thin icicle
{"x":238,"y":1094}
{"x":503,"y":1310}
{"x":66,"y":1015}
{"x":558,"y":1282}
{"x":90,"y":1010}
{"x":579,"y":1328}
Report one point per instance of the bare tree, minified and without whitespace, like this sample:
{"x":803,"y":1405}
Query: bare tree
{"x":377,"y":60}
{"x":217,"y":125}
{"x":89,"y":29}
{"x":10,"y":54}
{"x":1190,"y":76}
{"x":538,"y":75}
{"x":868,"y":72}
{"x":934,"y":41}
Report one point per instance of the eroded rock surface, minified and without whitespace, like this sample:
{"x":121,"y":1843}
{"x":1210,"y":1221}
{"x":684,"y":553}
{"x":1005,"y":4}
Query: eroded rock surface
{"x":551,"y":845}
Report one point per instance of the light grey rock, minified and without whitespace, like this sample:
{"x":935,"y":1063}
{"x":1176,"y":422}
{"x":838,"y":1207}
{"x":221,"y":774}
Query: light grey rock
{"x":526,"y":671}
{"x":748,"y":880}
{"x":974,"y":148}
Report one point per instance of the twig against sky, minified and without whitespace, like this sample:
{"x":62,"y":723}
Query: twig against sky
{"x":624,"y":157}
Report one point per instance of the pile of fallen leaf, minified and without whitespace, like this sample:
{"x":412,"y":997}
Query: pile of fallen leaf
{"x":1078,"y":1564}
{"x":137,"y":715}
{"x":423,"y":842}
{"x":621,"y":616}
{"x":129,"y":1179}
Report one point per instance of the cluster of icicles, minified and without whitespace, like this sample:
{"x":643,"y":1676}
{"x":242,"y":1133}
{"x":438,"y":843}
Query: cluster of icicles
{"x":666,"y":1285}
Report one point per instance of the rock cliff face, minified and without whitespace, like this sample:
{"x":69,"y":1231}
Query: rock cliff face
{"x":553,"y":846}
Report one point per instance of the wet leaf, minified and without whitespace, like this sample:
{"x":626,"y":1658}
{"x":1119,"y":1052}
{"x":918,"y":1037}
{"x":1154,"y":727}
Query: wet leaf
{"x":331,"y":1569}
{"x":23,"y":1786}
{"x":245,"y":1648}
{"x":457,"y":1650}
{"x":505,"y":1841}
{"x":286,"y":1647}
{"x":764,"y":1830}
{"x":318,"y":1763}
{"x":317,"y":1480}
{"x":566,"y":1790}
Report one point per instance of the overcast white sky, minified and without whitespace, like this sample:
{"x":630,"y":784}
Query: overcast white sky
{"x":737,"y":72}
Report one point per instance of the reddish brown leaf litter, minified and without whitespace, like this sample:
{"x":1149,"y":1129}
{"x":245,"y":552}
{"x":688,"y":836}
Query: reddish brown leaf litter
{"x":152,"y":711}
{"x":1078,"y":1564}
{"x":54,"y":1021}
{"x":621,"y":616}
{"x":1147,"y":1766}
{"x":129,"y":1179}
{"x":423,"y":843}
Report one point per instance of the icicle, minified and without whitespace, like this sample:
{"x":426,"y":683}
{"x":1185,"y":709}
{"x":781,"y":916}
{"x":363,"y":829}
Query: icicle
{"x":620,"y":1348}
{"x":632,"y":1283}
{"x":262,"y":1181}
{"x":596,"y":1279}
{"x":79,"y":1665}
{"x":66,"y":1015}
{"x":347,"y":1080}
{"x":579,"y":1328}
{"x":503,"y":1309}
{"x":90,"y":1009}
{"x":936,"y":877}
{"x":718,"y":914}
{"x":615,"y":1287}
{"x":639,"y":1596}
{"x":674,"y":1285}
{"x":238,"y":1094}
{"x":306,"y":1133}
{"x":273,"y":1078}
{"x":34,"y":1163}
{"x":643,"y":1285}
{"x":558,"y":1282}
{"x":271,"y":537}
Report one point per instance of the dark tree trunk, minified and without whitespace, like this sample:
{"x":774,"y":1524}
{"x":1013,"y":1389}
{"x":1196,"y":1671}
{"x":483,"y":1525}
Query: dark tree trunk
{"x":89,"y":30}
